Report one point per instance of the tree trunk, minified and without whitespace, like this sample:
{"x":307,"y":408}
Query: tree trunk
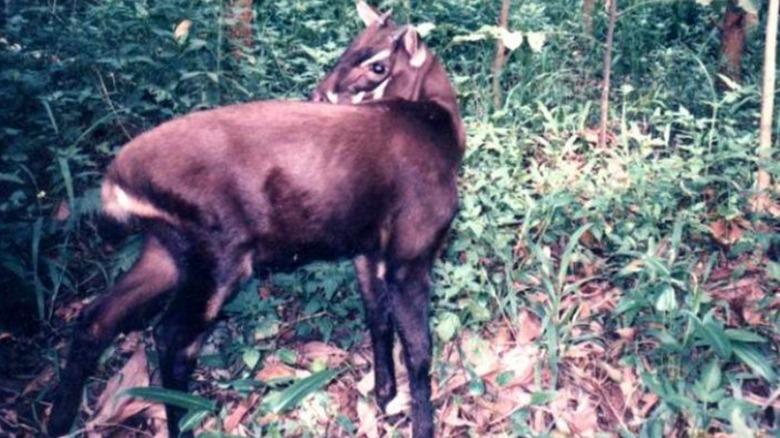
{"x":768,"y":93}
{"x":240,"y":13}
{"x":732,"y":43}
{"x":607,"y":73}
{"x":587,"y":16}
{"x":500,"y":59}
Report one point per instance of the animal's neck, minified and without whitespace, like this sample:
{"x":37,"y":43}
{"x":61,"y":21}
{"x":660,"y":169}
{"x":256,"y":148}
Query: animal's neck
{"x":436,"y":87}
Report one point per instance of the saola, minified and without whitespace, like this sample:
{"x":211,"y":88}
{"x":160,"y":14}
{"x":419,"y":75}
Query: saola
{"x":278,"y":184}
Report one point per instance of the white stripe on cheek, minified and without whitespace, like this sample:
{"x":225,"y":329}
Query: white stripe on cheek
{"x":358,"y":97}
{"x":379,"y":91}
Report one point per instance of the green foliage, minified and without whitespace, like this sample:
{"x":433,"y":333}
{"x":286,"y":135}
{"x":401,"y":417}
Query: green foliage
{"x":540,"y":205}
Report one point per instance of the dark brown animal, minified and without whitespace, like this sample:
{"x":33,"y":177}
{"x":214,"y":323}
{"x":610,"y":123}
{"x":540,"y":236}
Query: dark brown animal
{"x":278,"y":184}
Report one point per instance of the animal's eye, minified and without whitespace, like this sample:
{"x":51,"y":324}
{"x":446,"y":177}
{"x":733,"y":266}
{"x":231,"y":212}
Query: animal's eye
{"x":377,"y":68}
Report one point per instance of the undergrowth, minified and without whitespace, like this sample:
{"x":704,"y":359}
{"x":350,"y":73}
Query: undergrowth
{"x":583,"y":291}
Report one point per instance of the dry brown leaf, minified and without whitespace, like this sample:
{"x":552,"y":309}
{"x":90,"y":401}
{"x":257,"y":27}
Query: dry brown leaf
{"x":530,"y":327}
{"x":367,"y":419}
{"x":725,"y":232}
{"x":238,"y":413}
{"x":322,"y":352}
{"x":111,"y":409}
{"x":574,"y":413}
{"x":583,"y":350}
{"x":627,"y":333}
{"x":763,"y":203}
{"x":401,"y":402}
{"x":43,"y":379}
{"x":275,"y":369}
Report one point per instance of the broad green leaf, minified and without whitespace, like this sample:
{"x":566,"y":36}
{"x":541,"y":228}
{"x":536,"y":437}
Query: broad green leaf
{"x":9,"y":177}
{"x":192,"y":419}
{"x":667,"y":300}
{"x":280,"y":401}
{"x":448,"y":325}
{"x":536,"y":40}
{"x":755,"y":361}
{"x":708,"y":387}
{"x":773,"y":270}
{"x":171,"y":397}
{"x":742,"y":335}
{"x":512,"y":40}
{"x":713,"y":335}
{"x":476,"y":386}
{"x":425,"y":28}
{"x":750,"y":6}
{"x":251,"y":357}
{"x":741,"y":429}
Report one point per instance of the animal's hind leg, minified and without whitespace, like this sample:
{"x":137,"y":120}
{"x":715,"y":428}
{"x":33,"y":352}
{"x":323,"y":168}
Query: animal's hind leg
{"x":409,"y":297}
{"x":189,"y":316}
{"x":132,"y":301}
{"x":373,"y":290}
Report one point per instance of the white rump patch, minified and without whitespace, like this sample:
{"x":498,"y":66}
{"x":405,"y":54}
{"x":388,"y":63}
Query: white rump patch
{"x":332,"y":97}
{"x":120,"y":205}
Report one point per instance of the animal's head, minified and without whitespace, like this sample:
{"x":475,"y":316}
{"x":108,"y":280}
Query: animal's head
{"x":384,"y":61}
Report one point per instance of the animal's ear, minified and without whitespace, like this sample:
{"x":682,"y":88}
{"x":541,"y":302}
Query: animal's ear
{"x":411,"y":43}
{"x":370,"y":16}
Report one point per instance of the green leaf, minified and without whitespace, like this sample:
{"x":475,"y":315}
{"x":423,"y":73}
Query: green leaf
{"x":192,"y":419}
{"x":251,"y":357}
{"x":750,"y":6}
{"x":713,"y":335}
{"x":9,"y":177}
{"x":536,"y":40}
{"x":708,"y":387}
{"x":755,"y":361}
{"x":739,"y":424}
{"x":569,"y":252}
{"x":773,"y":270}
{"x":280,"y":401}
{"x":171,"y":397}
{"x":448,"y":325}
{"x":742,"y":335}
{"x":476,"y":386}
{"x":667,"y":300}
{"x":290,"y":357}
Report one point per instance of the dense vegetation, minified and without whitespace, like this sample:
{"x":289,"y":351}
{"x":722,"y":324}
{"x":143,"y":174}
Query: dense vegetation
{"x":626,"y":290}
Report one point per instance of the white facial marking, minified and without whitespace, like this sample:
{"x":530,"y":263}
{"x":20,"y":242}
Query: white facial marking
{"x":358,"y":97}
{"x":380,"y":56}
{"x":332,"y":97}
{"x":379,"y":91}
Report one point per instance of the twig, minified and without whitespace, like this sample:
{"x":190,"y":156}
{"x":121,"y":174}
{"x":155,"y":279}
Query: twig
{"x":111,"y":105}
{"x":607,"y":72}
{"x":500,"y":59}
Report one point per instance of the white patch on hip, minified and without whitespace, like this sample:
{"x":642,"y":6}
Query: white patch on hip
{"x":332,"y":97}
{"x":120,"y":205}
